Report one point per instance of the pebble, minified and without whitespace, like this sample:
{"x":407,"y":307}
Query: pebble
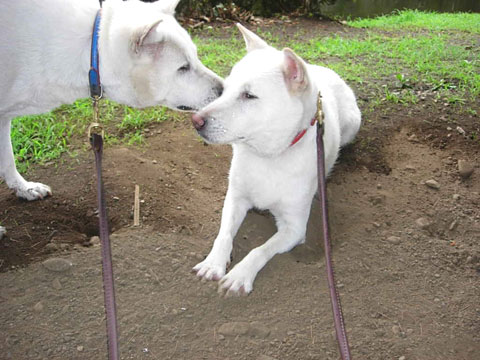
{"x":395,"y":240}
{"x":94,"y":240}
{"x":80,"y":348}
{"x":460,"y":130}
{"x":57,"y":264}
{"x":465,"y":169}
{"x":402,"y":358}
{"x":3,"y":232}
{"x":38,"y":307}
{"x":258,"y":330}
{"x":234,"y":328}
{"x":423,"y":223}
{"x":432,"y":184}
{"x":51,"y":247}
{"x":56,"y":284}
{"x":456,"y":196}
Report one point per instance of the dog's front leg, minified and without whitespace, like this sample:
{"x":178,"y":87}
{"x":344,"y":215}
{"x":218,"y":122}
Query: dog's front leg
{"x":215,"y":264}
{"x":239,"y":281}
{"x":22,"y":188}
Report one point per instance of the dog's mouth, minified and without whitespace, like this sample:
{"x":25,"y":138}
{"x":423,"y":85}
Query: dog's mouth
{"x":186,"y":108}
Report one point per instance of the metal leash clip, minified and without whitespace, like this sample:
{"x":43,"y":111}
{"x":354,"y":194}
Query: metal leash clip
{"x":320,"y":114}
{"x":95,"y":127}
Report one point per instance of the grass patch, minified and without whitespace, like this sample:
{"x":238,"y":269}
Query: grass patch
{"x":41,"y":138}
{"x":415,"y":19}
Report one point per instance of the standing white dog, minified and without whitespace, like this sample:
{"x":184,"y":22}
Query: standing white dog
{"x":265,"y":112}
{"x":146,"y":59}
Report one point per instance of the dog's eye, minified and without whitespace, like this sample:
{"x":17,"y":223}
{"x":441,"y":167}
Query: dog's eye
{"x":184,"y":68}
{"x":247,"y":95}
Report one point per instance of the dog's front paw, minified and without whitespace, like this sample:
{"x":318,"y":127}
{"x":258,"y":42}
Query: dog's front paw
{"x":236,"y":283}
{"x":33,"y":191}
{"x":210,"y":270}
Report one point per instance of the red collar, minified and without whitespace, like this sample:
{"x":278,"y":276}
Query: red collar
{"x":302,"y":132}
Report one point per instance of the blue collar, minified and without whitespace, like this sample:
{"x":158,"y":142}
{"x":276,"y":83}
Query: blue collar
{"x":94,"y":73}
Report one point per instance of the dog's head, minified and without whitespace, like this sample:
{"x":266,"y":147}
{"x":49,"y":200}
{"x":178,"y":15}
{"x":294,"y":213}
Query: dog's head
{"x":264,"y":102}
{"x":149,"y":59}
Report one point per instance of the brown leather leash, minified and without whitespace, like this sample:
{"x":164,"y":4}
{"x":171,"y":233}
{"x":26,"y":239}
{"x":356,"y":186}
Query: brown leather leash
{"x":322,"y":190}
{"x":96,"y":135}
{"x":107,"y":269}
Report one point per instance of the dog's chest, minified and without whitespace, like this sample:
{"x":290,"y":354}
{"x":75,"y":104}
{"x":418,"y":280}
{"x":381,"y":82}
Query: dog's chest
{"x":272,"y":182}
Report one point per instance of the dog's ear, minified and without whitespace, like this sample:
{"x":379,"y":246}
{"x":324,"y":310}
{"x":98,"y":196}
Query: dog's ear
{"x":168,"y":6}
{"x":147,"y":38}
{"x":252,"y":41}
{"x":294,"y":71}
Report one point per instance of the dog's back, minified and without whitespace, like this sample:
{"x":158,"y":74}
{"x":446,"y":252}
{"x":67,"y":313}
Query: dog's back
{"x":31,"y":34}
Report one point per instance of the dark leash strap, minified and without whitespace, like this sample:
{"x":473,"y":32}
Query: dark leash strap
{"x":107,"y":269}
{"x":96,"y":135}
{"x":322,"y":190}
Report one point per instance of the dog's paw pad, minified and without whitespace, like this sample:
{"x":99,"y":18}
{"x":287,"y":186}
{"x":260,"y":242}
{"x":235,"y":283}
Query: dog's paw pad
{"x":33,"y":191}
{"x":207,"y":270}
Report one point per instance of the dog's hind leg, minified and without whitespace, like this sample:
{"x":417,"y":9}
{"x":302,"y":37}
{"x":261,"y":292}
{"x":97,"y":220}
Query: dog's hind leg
{"x":291,"y":232}
{"x":8,"y":171}
{"x":215,"y":264}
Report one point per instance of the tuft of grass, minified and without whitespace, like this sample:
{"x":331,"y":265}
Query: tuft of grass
{"x":415,"y":19}
{"x":39,"y":139}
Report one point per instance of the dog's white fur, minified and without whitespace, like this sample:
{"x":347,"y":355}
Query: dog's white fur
{"x":266,"y":172}
{"x":45,"y":58}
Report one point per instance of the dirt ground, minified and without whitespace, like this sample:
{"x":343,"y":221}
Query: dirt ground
{"x":407,"y":254}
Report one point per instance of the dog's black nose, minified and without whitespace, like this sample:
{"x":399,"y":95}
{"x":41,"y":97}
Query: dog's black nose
{"x":198,"y":121}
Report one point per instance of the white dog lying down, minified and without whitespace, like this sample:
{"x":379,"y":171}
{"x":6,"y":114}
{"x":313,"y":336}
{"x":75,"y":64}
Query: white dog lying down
{"x":269,"y":98}
{"x":146,"y":59}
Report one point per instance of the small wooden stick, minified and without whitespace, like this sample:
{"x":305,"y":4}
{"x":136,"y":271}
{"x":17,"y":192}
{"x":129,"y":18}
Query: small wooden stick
{"x":136,"y":207}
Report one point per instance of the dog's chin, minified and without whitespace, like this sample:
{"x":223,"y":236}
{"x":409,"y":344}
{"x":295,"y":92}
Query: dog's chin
{"x":215,"y":138}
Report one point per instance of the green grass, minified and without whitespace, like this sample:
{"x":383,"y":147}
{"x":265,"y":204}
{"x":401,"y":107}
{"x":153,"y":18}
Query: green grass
{"x":414,"y":19}
{"x":389,"y":62}
{"x":41,"y":138}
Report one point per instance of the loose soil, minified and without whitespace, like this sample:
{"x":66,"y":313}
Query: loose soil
{"x":407,"y":255}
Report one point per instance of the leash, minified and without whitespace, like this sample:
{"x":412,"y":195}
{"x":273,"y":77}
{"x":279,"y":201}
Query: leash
{"x":322,"y":189}
{"x":96,"y":134}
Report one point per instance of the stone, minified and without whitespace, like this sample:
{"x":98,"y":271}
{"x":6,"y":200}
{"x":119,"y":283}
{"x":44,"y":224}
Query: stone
{"x":395,"y":240}
{"x":94,"y":240}
{"x":56,"y":284}
{"x":423,"y":223}
{"x":3,"y":232}
{"x":234,"y":328}
{"x":433,"y":184}
{"x":80,"y":348}
{"x":258,"y":330}
{"x":38,"y":307}
{"x":465,"y":169}
{"x":57,"y":264}
{"x":51,"y":247}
